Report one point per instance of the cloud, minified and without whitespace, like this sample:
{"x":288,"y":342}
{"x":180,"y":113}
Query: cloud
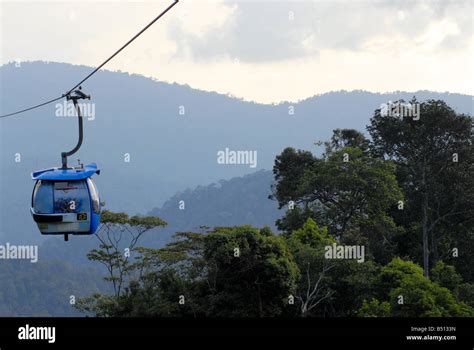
{"x":266,"y":31}
{"x":264,"y":51}
{"x":254,"y":32}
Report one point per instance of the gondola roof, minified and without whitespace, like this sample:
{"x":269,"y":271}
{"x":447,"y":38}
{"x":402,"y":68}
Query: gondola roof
{"x":58,"y":174}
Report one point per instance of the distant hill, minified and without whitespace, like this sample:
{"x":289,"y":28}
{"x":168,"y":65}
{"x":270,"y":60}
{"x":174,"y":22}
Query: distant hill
{"x":45,"y":288}
{"x":168,"y":151}
{"x":171,"y":157}
{"x":63,"y":268}
{"x":238,"y":201}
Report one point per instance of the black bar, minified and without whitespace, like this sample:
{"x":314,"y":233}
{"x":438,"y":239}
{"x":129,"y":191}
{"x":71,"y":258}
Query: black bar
{"x":47,"y":218}
{"x":357,"y":331}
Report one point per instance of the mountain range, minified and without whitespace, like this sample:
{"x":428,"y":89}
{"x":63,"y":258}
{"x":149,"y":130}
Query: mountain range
{"x":157,"y":145}
{"x":153,"y":140}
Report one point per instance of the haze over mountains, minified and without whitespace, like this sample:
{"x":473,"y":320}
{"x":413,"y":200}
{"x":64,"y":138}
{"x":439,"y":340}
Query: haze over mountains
{"x":44,"y":288}
{"x":169,"y":133}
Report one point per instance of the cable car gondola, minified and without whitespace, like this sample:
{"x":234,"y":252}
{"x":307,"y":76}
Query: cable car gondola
{"x":65,"y":200}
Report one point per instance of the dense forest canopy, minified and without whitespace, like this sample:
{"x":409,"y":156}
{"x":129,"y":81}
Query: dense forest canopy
{"x":403,"y":198}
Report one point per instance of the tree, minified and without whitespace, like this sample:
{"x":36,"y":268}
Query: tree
{"x":343,"y":138}
{"x":328,"y":287}
{"x":392,"y":274}
{"x":435,"y":162}
{"x":249,"y":274}
{"x":346,"y":189}
{"x":352,"y":283}
{"x":114,"y":254}
{"x":308,"y":246}
{"x":466,"y":293}
{"x":224,"y":272}
{"x":374,"y":308}
{"x":289,"y":168}
{"x":424,"y":298}
{"x":446,"y":276}
{"x":410,"y":294}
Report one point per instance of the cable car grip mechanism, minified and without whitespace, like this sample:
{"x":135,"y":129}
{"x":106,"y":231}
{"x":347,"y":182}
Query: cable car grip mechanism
{"x":77,"y":95}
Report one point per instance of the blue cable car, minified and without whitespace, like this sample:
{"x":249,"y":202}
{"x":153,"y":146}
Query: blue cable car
{"x":65,"y":200}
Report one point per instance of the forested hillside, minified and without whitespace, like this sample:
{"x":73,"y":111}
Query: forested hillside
{"x":64,"y":267}
{"x":147,"y":151}
{"x":45,"y":288}
{"x":373,"y":227}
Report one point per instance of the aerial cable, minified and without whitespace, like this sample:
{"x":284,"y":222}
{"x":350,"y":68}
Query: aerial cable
{"x":30,"y":108}
{"x":96,"y":69}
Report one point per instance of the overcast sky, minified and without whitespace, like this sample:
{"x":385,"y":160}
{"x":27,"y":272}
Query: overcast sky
{"x":264,"y":51}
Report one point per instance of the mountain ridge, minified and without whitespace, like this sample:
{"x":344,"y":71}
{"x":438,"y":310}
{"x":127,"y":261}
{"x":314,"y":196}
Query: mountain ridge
{"x":139,"y":118}
{"x":231,"y":96}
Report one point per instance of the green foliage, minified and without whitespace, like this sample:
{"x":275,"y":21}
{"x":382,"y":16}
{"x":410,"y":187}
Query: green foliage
{"x":145,"y":222}
{"x":446,"y":276}
{"x":307,"y":246}
{"x":374,"y":308}
{"x":294,"y":219}
{"x":289,"y":167}
{"x":466,"y":293}
{"x":393,"y":273}
{"x":344,"y":193}
{"x":348,"y":195}
{"x":328,"y":287}
{"x":100,"y":305}
{"x":423,"y":298}
{"x":343,"y":138}
{"x":347,"y":190}
{"x":439,"y":192}
{"x":312,"y":235}
{"x":246,"y":272}
{"x":229,"y":271}
{"x":353,"y":283}
{"x":257,"y":282}
{"x":413,"y":295}
{"x":114,"y":254}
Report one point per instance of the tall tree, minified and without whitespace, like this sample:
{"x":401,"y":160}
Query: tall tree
{"x":411,"y":295}
{"x":308,"y":246}
{"x":118,"y":237}
{"x":346,"y":190}
{"x":435,"y":160}
{"x":224,"y":272}
{"x":250,"y":272}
